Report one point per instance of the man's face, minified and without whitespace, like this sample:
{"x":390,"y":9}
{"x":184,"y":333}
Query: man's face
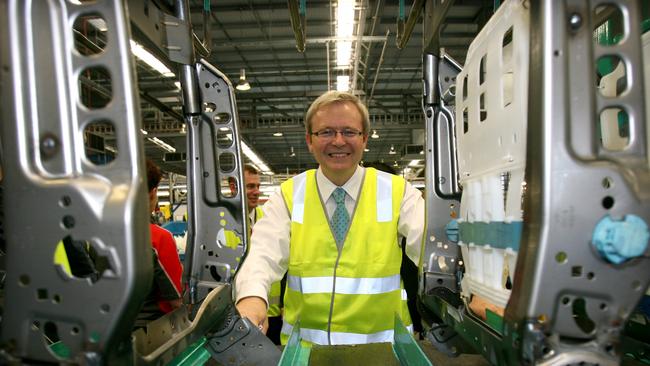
{"x":338,"y":156}
{"x":252,"y":182}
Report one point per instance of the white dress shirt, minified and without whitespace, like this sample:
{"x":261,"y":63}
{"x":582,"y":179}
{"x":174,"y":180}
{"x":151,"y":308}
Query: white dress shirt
{"x":268,"y":258}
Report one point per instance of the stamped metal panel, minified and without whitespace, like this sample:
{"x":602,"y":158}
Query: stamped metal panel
{"x":439,"y":254}
{"x":54,"y":191}
{"x":564,"y":286}
{"x":217,"y":239}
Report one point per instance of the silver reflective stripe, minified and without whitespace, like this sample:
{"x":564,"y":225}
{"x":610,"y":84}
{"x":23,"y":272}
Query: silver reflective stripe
{"x":404,"y":296}
{"x":298,"y":210}
{"x":384,"y":197}
{"x":344,"y":285}
{"x":320,"y":336}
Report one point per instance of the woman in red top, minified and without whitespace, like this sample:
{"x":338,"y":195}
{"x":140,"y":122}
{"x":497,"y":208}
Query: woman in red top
{"x":166,"y":290}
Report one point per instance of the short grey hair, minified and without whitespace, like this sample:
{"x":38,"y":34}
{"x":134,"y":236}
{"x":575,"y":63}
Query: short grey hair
{"x":332,"y":97}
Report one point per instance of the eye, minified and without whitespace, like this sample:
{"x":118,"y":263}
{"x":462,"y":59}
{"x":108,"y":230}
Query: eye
{"x":326,"y":133}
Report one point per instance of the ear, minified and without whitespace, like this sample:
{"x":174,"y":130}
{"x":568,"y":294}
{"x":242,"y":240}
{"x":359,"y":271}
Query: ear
{"x":308,"y":138}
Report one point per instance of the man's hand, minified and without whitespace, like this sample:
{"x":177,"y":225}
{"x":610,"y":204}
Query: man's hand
{"x":254,"y":308}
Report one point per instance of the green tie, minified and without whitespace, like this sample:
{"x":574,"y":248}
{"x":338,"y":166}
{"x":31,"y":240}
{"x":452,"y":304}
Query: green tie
{"x":340,"y":218}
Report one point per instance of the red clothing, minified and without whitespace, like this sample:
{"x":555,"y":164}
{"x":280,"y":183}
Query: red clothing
{"x":163,"y":243}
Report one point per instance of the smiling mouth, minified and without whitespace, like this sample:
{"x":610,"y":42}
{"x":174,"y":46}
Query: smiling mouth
{"x":338,"y":155}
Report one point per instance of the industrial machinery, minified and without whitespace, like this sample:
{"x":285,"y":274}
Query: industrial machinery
{"x":546,"y":223}
{"x":542,"y":257}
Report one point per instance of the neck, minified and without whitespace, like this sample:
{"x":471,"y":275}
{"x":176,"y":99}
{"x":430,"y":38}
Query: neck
{"x":340,"y":178}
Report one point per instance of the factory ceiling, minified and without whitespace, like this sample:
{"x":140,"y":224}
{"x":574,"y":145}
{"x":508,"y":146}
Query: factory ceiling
{"x":256,"y":37}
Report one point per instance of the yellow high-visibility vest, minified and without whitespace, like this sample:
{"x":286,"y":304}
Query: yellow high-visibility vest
{"x":351,"y":296}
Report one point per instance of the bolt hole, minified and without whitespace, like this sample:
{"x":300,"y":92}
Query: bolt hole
{"x":24,"y":280}
{"x":608,"y":202}
{"x":607,"y":182}
{"x":68,"y":222}
{"x":65,"y":201}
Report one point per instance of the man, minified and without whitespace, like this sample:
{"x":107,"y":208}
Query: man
{"x":165,"y":293}
{"x":274,"y":313}
{"x":336,"y":231}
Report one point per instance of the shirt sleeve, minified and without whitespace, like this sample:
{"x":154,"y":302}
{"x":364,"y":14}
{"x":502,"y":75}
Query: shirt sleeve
{"x":268,"y":257}
{"x":411,"y":222}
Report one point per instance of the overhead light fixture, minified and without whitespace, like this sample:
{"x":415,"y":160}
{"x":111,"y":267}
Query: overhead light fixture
{"x":344,"y":30}
{"x":165,"y":146}
{"x":278,"y":134}
{"x":343,"y":83}
{"x":144,"y":132}
{"x":243,"y":84}
{"x":150,"y":59}
{"x":374,"y":135}
{"x":395,"y":164}
{"x":414,"y":163}
{"x":366,"y":149}
{"x":255,"y":160}
{"x":392,"y":150}
{"x":292,"y":154}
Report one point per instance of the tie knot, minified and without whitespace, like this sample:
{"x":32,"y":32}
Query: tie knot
{"x":339,"y":195}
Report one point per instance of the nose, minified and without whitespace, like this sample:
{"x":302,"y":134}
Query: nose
{"x":338,"y":138}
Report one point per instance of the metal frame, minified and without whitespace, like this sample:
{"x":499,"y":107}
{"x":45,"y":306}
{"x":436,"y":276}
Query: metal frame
{"x":569,"y":177}
{"x":49,"y":180}
{"x":52,"y":190}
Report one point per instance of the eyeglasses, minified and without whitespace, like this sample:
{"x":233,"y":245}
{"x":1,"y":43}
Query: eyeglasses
{"x":330,"y":133}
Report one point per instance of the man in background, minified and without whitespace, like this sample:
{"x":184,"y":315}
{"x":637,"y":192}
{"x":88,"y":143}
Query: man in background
{"x":255,"y":212}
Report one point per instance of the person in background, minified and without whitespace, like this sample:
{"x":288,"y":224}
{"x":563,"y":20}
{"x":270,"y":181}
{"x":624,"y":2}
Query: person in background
{"x":255,"y":212}
{"x":166,"y":290}
{"x":335,"y":230}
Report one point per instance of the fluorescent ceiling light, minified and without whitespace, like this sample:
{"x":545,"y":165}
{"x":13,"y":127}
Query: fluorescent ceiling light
{"x":374,"y":135}
{"x":343,"y":83}
{"x":343,"y":53}
{"x":252,"y":156}
{"x":344,"y":29}
{"x":392,"y":150}
{"x":165,"y":146}
{"x":366,"y":149}
{"x":414,"y":163}
{"x":150,"y":59}
{"x":278,"y":134}
{"x":144,"y":132}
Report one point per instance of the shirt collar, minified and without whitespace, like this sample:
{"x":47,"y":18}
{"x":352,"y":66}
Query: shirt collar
{"x":351,"y":187}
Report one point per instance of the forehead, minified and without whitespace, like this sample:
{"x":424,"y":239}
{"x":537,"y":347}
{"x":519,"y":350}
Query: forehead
{"x":251,"y":178}
{"x":338,"y":115}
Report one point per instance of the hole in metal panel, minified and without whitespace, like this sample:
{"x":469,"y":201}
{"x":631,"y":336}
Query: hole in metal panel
{"x":209,"y":107}
{"x":80,"y":259}
{"x":224,"y":137}
{"x":41,"y":294}
{"x":97,"y":151}
{"x":609,"y":25}
{"x":608,"y":202}
{"x":227,"y":162}
{"x":90,"y":34}
{"x":607,"y":182}
{"x":221,"y":118}
{"x":95,"y":87}
{"x":576,"y":271}
{"x":580,"y":316}
{"x":482,"y":70}
{"x":614,"y":127}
